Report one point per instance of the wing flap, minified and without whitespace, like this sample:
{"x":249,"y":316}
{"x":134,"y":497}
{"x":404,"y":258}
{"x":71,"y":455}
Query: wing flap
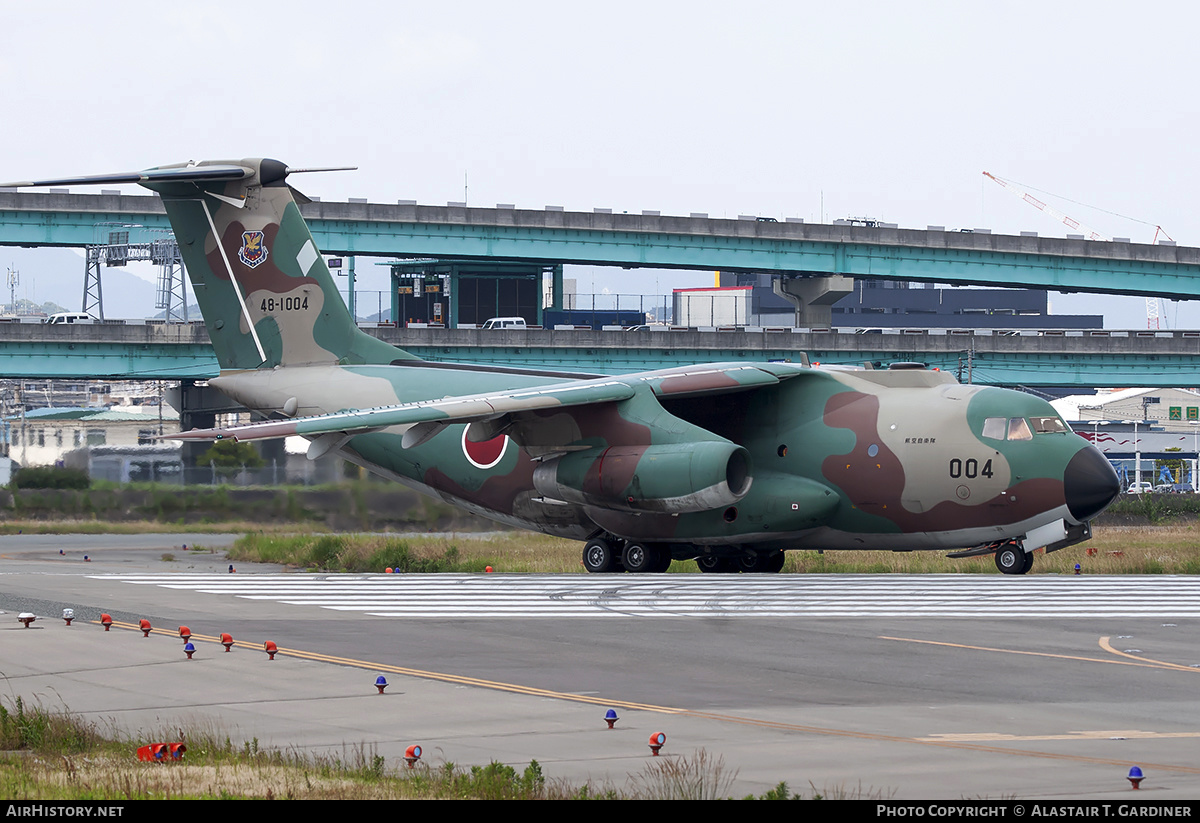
{"x":718,"y":379}
{"x":468,"y":409}
{"x":497,"y":407}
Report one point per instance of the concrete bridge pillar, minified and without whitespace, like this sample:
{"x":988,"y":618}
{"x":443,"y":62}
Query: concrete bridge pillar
{"x":813,"y":296}
{"x":198,"y":407}
{"x":192,"y":449}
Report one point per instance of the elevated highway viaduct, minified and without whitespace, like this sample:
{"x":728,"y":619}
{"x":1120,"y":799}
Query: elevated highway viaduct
{"x":809,"y":257}
{"x":815,"y":261}
{"x":154,"y":351}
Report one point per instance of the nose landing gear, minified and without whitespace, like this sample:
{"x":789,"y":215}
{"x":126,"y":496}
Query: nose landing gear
{"x":1011,"y":558}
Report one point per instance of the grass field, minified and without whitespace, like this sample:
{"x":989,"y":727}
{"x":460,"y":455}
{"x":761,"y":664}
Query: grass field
{"x":1113,"y":550}
{"x":56,"y":755}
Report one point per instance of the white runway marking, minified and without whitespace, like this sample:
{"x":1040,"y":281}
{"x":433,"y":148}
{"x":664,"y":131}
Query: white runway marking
{"x":554,"y":596}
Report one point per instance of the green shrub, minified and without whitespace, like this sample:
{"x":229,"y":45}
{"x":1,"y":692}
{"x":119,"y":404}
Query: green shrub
{"x":329,"y":552}
{"x":325,"y":552}
{"x":50,"y":477}
{"x":37,"y":729}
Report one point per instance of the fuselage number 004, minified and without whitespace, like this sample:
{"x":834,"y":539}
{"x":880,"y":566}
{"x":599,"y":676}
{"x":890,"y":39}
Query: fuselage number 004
{"x":969,"y":468}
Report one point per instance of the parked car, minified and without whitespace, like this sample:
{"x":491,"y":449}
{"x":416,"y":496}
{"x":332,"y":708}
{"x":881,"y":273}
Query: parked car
{"x":69,"y":317}
{"x":1145,"y":487}
{"x":505,"y":323}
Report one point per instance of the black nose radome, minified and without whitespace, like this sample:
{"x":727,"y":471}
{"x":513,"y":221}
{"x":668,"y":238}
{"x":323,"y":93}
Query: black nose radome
{"x":1089,"y":484}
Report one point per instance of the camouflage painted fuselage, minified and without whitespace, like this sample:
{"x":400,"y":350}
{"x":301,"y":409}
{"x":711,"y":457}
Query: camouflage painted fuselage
{"x":764,"y":456}
{"x":838,"y":459}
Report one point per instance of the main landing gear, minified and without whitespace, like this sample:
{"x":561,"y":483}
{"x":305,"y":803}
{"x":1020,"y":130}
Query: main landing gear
{"x":711,"y":564}
{"x":1011,"y":558}
{"x":601,"y":557}
{"x":607,"y":554}
{"x":750,"y":562}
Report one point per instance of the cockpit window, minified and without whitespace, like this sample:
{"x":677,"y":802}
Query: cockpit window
{"x":1018,"y":429}
{"x":1048,"y":425}
{"x":995,"y":427}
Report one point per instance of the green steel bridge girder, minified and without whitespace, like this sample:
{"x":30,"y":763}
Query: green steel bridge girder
{"x":74,"y":229}
{"x":906,"y":263}
{"x":182,"y":352}
{"x":552,"y":237}
{"x":106,"y":361}
{"x":1041,"y":369}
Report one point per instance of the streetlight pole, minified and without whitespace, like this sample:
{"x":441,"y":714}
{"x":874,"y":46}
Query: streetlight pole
{"x":1195,"y":450}
{"x":1137,"y":458}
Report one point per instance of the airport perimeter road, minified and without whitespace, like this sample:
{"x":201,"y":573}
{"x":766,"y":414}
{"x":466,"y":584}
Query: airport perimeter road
{"x":916,"y":687}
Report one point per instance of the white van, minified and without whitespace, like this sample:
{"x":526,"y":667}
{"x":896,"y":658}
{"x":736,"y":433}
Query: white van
{"x":505,"y":323}
{"x":65,"y":317}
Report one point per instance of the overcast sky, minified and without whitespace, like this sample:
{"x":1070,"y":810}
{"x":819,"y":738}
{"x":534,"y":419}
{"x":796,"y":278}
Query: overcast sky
{"x":813,"y":110}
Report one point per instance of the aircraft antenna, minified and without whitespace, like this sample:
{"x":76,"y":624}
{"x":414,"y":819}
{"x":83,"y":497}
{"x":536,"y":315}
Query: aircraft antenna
{"x":290,"y":170}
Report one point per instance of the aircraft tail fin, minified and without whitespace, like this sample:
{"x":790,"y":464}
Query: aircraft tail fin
{"x":263,"y":287}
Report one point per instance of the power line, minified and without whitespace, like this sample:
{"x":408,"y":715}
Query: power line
{"x":1078,"y":202}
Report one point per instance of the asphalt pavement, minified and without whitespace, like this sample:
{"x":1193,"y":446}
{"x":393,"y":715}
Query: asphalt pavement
{"x":909,"y":706}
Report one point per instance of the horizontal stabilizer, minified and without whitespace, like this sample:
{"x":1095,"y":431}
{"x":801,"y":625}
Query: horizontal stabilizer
{"x":179,"y":174}
{"x":187,"y":173}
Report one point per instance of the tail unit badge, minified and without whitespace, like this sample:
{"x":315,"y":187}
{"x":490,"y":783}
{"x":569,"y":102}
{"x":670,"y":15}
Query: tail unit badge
{"x":253,"y":250}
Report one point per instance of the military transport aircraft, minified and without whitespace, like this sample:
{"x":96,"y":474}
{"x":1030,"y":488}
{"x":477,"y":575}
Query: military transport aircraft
{"x":727,"y":463}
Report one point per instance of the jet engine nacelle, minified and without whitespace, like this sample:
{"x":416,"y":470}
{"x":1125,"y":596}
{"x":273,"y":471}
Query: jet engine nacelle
{"x":674,"y":478}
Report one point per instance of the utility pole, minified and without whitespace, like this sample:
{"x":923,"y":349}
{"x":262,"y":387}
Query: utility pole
{"x":14,"y":277}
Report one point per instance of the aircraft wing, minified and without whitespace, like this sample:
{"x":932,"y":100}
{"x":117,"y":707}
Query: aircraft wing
{"x":427,"y":417}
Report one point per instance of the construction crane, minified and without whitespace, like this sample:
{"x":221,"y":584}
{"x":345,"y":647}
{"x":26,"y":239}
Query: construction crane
{"x":1152,"y":303}
{"x":1020,"y":193}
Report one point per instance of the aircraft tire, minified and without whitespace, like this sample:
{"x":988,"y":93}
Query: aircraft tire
{"x":599,"y":557}
{"x":1011,"y":559}
{"x":1028,"y":562}
{"x":774,"y":562}
{"x":768,"y":562}
{"x":643,"y":558}
{"x":716,"y":565}
{"x":664,"y":560}
{"x":751,"y":563}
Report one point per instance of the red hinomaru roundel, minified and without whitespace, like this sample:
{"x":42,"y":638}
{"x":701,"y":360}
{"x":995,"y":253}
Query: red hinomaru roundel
{"x":487,"y":454}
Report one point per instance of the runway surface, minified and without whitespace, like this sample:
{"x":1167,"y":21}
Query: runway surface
{"x":705,"y":596}
{"x":908,"y":687}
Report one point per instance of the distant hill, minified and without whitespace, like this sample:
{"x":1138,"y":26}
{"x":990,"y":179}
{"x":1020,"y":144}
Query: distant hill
{"x":55,"y":276}
{"x":28,"y":307}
